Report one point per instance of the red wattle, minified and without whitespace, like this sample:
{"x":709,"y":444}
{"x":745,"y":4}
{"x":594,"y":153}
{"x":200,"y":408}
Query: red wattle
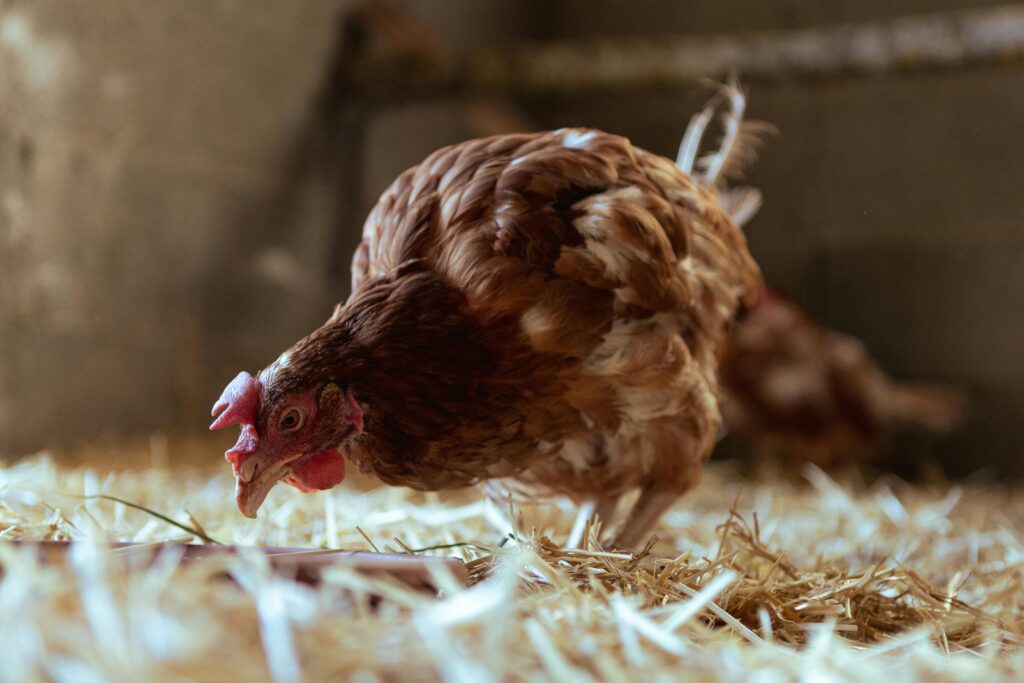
{"x":318,"y":472}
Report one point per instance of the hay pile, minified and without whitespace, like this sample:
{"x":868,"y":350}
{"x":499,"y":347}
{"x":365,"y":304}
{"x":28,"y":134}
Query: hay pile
{"x":749,"y":581}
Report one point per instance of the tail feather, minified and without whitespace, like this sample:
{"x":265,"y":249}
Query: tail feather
{"x":689,"y":148}
{"x":937,"y":409}
{"x":714,"y":164}
{"x":730,"y":162}
{"x":738,"y":148}
{"x":741,"y":203}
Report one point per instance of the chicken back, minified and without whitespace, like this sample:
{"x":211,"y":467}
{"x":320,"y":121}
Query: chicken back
{"x":543,"y":308}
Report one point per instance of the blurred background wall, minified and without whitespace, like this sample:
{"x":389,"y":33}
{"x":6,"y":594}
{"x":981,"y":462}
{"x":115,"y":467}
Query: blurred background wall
{"x":181,"y":184}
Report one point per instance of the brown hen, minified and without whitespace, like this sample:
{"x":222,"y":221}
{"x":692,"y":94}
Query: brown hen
{"x":544,"y":308}
{"x":809,"y":394}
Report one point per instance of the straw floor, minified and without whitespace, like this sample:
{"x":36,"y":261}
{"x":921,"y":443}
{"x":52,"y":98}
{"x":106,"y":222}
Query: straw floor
{"x":774,"y":579}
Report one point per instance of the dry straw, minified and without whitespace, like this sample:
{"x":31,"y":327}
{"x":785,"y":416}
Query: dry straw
{"x":748,"y":580}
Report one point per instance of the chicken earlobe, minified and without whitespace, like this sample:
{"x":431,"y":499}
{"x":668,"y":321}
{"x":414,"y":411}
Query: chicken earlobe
{"x":334,"y":400}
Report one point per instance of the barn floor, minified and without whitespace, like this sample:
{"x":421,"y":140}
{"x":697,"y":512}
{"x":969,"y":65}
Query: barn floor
{"x":751,"y":580}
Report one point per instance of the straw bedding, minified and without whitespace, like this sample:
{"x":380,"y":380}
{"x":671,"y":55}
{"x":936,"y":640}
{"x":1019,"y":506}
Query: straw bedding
{"x":749,"y":580}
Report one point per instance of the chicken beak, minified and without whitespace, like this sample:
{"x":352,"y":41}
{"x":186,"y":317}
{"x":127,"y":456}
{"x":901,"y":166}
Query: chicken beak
{"x":254,"y":478}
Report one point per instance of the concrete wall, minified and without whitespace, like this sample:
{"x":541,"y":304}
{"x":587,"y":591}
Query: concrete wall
{"x":135,"y":141}
{"x":154,"y":240}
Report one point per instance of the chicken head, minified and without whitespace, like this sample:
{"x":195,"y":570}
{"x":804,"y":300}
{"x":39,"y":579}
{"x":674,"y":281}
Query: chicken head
{"x":294,"y":437}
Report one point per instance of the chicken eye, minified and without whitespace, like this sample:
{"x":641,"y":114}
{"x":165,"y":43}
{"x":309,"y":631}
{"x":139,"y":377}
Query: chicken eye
{"x":292,"y":419}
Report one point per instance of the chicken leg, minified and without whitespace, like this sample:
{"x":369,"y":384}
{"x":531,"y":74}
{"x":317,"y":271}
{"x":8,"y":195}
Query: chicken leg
{"x":653,"y":502}
{"x":600,"y":508}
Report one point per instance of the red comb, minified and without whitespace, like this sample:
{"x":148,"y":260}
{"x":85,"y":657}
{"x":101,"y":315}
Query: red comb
{"x":239,"y":402}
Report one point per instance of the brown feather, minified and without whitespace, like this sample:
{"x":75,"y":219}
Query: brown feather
{"x":544,"y":306}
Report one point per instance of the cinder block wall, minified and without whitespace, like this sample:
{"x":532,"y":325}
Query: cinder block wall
{"x":137,"y":142}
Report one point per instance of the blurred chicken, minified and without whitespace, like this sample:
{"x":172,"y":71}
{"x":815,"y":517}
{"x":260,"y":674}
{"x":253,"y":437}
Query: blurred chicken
{"x":547,"y":308}
{"x":808,"y":394}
